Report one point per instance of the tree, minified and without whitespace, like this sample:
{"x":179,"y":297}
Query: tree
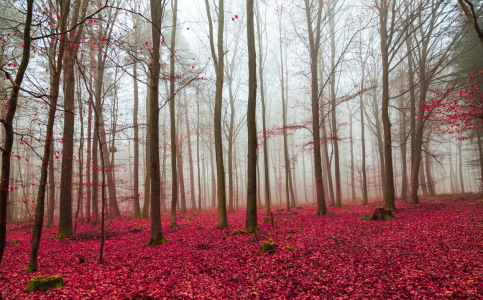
{"x":8,"y":126}
{"x":314,"y":44}
{"x":218,"y":61}
{"x":251,"y":219}
{"x":157,"y":10}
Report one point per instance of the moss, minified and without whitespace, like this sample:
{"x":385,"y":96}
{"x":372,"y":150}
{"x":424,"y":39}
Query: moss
{"x":60,"y":236}
{"x":348,"y":207}
{"x":458,"y":210}
{"x":288,"y":236}
{"x":45,"y":283}
{"x":289,"y":248}
{"x":237,"y":231}
{"x":300,"y":228}
{"x":199,"y":227}
{"x":252,"y":228}
{"x":295,"y":213}
{"x":31,"y":269}
{"x":173,"y":225}
{"x":267,"y":220}
{"x":267,"y":247}
{"x":379,"y":214}
{"x":366,"y":218}
{"x":139,"y":216}
{"x":16,"y":241}
{"x":270,"y":240}
{"x":188,"y":218}
{"x":300,"y":207}
{"x":152,"y":242}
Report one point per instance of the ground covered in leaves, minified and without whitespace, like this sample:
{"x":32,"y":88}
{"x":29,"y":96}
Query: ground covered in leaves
{"x":431,"y":250}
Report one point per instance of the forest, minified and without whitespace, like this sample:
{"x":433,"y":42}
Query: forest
{"x":262,"y":149}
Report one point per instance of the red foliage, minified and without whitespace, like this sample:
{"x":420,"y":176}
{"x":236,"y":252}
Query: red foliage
{"x":459,"y":110}
{"x":431,"y":250}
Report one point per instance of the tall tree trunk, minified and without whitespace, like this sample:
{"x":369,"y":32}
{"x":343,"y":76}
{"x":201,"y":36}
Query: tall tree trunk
{"x":179,"y":158}
{"x":230,"y":146}
{"x":172,"y":114}
{"x":50,"y":206}
{"x":81,"y":162}
{"x":147,"y":158}
{"x":402,"y":134}
{"x":264,"y":123}
{"x":480,"y":155}
{"x":353,"y":185}
{"x":156,"y":237}
{"x":137,"y":208}
{"x":451,"y":172}
{"x":429,"y":180}
{"x":462,"y":184}
{"x":65,"y":217}
{"x":190,"y":156}
{"x":314,"y":50}
{"x":198,"y":149}
{"x":338,"y":193}
{"x":89,"y":147}
{"x":218,"y":60}
{"x":251,"y":218}
{"x":8,"y":126}
{"x":386,"y":122}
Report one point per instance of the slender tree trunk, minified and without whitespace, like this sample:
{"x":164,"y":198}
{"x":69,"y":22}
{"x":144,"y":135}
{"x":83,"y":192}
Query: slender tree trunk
{"x":172,"y":114}
{"x":157,"y":237}
{"x":461,"y":167}
{"x":353,"y":185}
{"x":480,"y":155}
{"x":219,"y":69}
{"x":50,"y":207}
{"x":81,"y":162}
{"x":147,"y":158}
{"x":388,"y":166}
{"x":264,"y":122}
{"x":402,"y":134}
{"x":314,"y":50}
{"x":198,"y":150}
{"x":190,"y":156}
{"x":137,"y":208}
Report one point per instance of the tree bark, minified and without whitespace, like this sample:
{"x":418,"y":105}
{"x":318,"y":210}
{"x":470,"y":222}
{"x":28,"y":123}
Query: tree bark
{"x":218,"y":60}
{"x":137,"y":208}
{"x":251,"y":218}
{"x":8,"y":126}
{"x":156,"y":231}
{"x":172,"y":114}
{"x":314,"y":50}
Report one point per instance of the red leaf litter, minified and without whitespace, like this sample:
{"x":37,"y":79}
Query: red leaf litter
{"x":429,"y":251}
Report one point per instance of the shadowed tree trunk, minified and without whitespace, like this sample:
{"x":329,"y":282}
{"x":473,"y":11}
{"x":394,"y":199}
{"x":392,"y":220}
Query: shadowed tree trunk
{"x":251,"y":218}
{"x":8,"y":126}
{"x":157,"y":8}
{"x":264,"y":123}
{"x":137,"y":209}
{"x":147,"y":158}
{"x":314,"y":44}
{"x":172,"y":114}
{"x":218,"y":60}
{"x":190,"y":155}
{"x":460,"y":158}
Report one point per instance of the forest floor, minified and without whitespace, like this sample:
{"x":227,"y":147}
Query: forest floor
{"x":431,"y":250}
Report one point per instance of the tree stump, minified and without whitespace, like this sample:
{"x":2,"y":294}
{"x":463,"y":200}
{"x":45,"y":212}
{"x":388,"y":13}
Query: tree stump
{"x":45,"y":283}
{"x":380,"y":214}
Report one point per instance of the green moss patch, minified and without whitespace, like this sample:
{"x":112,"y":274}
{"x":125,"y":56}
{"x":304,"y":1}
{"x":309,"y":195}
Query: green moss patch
{"x":267,"y":247}
{"x":15,"y":241}
{"x":45,"y":283}
{"x":188,"y":218}
{"x":200,"y":227}
{"x":288,"y":236}
{"x":289,"y":248}
{"x":267,"y":220}
{"x":238,"y":231}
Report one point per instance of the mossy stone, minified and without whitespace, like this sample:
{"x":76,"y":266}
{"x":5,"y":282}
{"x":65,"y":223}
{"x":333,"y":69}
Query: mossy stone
{"x":45,"y":283}
{"x":267,"y":220}
{"x":237,"y":231}
{"x":267,"y":247}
